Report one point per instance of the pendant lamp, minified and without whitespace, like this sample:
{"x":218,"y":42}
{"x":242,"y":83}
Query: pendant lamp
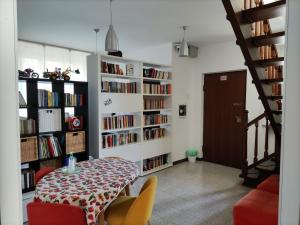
{"x":111,"y":41}
{"x":184,"y":48}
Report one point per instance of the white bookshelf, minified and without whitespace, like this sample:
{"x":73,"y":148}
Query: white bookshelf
{"x":105,"y":104}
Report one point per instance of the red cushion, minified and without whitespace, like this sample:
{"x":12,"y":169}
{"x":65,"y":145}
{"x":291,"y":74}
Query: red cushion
{"x":270,"y":185}
{"x":55,"y":214}
{"x":256,"y":208}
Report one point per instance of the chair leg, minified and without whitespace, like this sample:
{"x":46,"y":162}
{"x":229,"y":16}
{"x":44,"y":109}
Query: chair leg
{"x":127,"y":190}
{"x":149,"y":222}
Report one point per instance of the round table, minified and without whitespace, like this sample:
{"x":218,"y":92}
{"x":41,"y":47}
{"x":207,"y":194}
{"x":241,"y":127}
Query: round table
{"x":94,"y":185}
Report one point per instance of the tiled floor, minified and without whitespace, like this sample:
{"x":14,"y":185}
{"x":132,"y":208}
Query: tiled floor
{"x":195,"y":194}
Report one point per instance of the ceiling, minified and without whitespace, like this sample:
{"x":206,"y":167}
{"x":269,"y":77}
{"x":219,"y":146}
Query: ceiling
{"x":138,"y":23}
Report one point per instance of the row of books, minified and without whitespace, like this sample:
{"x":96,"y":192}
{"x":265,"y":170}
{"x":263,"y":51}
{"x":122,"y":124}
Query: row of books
{"x":276,"y":89}
{"x":155,"y":119}
{"x":152,"y":163}
{"x":49,"y":147}
{"x":74,"y":100}
{"x":154,"y":73}
{"x":111,"y":68}
{"x":154,"y":103}
{"x":118,"y":87}
{"x":118,"y":122}
{"x":114,"y":140}
{"x":154,"y":133}
{"x":27,"y":179}
{"x":48,"y":98}
{"x":27,"y":126}
{"x":157,"y":88}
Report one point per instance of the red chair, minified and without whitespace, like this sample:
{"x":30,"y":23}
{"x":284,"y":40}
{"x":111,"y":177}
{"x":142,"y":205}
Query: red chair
{"x":256,"y":208}
{"x":43,"y":172}
{"x":55,"y":214}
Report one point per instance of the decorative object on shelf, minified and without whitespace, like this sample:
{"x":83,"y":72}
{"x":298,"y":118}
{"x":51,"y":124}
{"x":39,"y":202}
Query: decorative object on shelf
{"x":117,"y":53}
{"x":75,"y":123}
{"x":58,"y":75}
{"x":182,"y":110}
{"x":28,"y":73}
{"x":107,"y":102}
{"x":184,"y":48}
{"x":111,"y":40}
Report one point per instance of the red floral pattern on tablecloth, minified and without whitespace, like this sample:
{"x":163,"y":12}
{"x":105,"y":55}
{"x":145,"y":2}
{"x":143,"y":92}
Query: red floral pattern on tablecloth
{"x":97,"y":183}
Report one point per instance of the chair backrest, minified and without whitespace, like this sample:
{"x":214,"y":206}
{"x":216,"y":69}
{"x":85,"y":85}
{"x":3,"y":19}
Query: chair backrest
{"x":141,"y":209}
{"x":55,"y":214}
{"x":43,"y":172}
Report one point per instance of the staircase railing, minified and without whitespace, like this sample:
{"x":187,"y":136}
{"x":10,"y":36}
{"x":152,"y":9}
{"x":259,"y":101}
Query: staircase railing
{"x":266,"y":154}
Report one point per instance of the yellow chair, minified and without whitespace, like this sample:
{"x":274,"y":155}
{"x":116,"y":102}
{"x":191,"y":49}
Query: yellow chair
{"x":133,"y":210}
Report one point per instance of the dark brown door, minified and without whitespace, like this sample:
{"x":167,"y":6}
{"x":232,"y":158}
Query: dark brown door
{"x":224,"y":117}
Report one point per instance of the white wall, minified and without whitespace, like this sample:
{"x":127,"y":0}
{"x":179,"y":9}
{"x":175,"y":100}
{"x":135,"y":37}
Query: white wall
{"x":290,"y":153}
{"x":10,"y":185}
{"x":159,"y":54}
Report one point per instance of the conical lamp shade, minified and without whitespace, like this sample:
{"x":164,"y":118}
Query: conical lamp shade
{"x":111,"y":41}
{"x":184,"y":49}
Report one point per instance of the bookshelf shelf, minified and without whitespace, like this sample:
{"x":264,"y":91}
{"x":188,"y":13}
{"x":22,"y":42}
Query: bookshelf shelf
{"x":157,"y":125}
{"x":120,"y":146}
{"x":155,"y":79}
{"x":120,"y":130}
{"x":156,"y":169}
{"x":33,"y":111}
{"x":111,"y":75}
{"x":156,"y":110}
{"x":163,"y":95}
{"x":105,"y":104}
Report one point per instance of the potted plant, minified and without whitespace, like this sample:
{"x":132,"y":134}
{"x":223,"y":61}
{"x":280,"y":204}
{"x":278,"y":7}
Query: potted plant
{"x":192,"y":155}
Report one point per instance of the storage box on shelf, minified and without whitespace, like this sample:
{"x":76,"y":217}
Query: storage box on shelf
{"x":44,"y":127}
{"x":126,"y":120}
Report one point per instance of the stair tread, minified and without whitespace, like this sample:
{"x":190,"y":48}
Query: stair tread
{"x":269,"y":39}
{"x":274,"y":97}
{"x":264,"y":12}
{"x":270,"y":81}
{"x":278,"y":112}
{"x":269,"y":62}
{"x":267,"y":166}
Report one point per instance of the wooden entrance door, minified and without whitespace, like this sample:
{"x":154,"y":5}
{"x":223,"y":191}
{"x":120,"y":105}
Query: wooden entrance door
{"x":224,"y":117}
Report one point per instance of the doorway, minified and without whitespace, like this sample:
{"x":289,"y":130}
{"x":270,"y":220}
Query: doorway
{"x":224,"y":117}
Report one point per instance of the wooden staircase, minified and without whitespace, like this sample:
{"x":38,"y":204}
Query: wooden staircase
{"x":251,"y":25}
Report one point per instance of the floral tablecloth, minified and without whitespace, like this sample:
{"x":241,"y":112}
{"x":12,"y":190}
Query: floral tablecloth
{"x":96,"y":184}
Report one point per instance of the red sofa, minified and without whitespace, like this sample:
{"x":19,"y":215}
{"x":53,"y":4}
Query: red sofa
{"x":259,"y":206}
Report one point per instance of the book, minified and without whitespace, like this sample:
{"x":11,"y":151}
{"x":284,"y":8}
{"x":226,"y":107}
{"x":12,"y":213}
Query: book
{"x":49,"y":147}
{"x":27,"y":126}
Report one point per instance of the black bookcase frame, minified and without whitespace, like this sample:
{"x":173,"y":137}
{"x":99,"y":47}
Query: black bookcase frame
{"x":33,"y":113}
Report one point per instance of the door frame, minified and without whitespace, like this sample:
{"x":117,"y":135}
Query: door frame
{"x":245,"y":94}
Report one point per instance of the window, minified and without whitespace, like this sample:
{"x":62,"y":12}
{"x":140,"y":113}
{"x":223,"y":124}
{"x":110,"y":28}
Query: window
{"x":42,"y":57}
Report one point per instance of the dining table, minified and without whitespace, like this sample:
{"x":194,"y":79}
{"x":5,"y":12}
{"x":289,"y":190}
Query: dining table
{"x":92,"y":186}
